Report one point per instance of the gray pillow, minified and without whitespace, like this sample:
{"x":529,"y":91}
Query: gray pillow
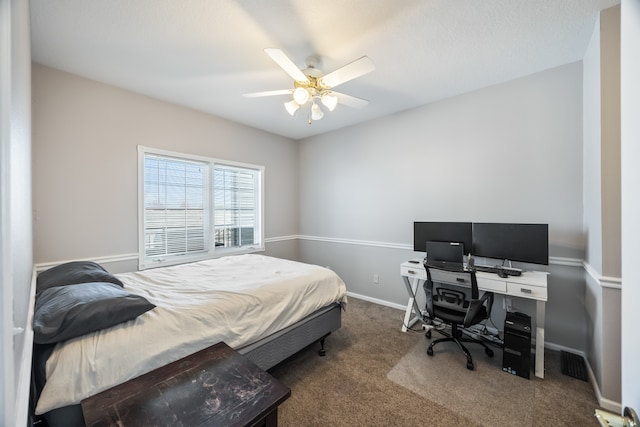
{"x":72,"y":273}
{"x":65,"y":312}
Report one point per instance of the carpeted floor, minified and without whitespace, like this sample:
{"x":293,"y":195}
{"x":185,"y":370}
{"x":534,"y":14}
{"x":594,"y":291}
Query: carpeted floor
{"x":375,"y":375}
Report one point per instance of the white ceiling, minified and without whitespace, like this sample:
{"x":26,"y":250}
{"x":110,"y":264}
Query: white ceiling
{"x":205,"y":54}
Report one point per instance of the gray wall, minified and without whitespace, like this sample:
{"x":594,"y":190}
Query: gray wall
{"x":592,"y":136}
{"x":85,"y":136}
{"x":507,"y":153}
{"x":610,"y":140}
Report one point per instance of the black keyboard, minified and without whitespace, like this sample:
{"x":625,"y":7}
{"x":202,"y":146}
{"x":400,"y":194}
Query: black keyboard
{"x":496,"y":269}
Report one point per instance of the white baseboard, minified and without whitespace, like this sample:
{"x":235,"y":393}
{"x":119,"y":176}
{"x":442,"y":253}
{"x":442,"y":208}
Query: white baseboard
{"x":609,"y":405}
{"x":377,"y":301}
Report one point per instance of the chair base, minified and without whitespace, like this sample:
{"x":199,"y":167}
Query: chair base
{"x":456,"y":336}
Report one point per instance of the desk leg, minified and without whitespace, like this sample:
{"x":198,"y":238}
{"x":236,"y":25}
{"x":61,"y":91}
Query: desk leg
{"x":412,"y":305}
{"x":540,"y":313}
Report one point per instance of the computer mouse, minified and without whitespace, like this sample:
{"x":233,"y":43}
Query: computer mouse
{"x":502,"y":274}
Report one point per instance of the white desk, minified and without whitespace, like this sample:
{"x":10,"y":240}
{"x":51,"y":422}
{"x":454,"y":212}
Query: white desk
{"x":530,"y":285}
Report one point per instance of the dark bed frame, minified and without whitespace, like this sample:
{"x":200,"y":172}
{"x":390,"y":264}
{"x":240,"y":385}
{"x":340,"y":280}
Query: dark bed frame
{"x":266,"y":353}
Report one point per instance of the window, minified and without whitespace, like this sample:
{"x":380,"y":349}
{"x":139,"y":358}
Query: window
{"x":193,"y":208}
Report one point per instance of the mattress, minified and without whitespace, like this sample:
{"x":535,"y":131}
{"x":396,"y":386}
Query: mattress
{"x":238,"y":300}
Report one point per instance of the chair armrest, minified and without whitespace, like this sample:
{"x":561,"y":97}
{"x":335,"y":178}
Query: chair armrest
{"x":488,"y":296}
{"x":476,"y":305}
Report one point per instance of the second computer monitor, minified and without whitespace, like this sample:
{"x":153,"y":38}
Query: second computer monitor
{"x":514,"y":242}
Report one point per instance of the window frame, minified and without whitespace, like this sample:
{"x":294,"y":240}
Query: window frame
{"x":210,"y":251}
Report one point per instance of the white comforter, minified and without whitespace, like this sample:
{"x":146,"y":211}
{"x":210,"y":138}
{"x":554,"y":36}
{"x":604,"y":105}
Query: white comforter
{"x":236,"y":299}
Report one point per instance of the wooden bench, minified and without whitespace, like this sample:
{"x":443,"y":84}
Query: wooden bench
{"x":214,"y":387}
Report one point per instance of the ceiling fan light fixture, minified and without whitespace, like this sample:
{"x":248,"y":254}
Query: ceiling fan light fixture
{"x":316,"y":112}
{"x":311,"y":85}
{"x":291,"y":107}
{"x":301,"y":95}
{"x":329,"y":101}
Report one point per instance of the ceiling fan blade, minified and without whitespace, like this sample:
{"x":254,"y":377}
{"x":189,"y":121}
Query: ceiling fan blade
{"x":268,"y":93}
{"x":350,"y":101}
{"x":354,"y":69}
{"x":286,"y":64}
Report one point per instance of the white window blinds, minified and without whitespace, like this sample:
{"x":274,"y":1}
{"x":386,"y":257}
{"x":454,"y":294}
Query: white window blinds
{"x":175,"y":197}
{"x":235,"y":207}
{"x":193,"y":206}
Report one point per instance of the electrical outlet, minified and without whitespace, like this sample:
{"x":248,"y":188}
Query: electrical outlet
{"x":376,"y":279}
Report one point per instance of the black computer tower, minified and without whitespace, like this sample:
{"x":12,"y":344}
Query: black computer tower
{"x":516,"y":355}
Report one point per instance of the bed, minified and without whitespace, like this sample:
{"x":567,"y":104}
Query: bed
{"x":266,"y":308}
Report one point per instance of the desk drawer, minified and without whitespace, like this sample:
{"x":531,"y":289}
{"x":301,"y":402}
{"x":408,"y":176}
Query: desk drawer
{"x":526,"y":291}
{"x":492,"y":285}
{"x":413,"y":270}
{"x":439,"y":276}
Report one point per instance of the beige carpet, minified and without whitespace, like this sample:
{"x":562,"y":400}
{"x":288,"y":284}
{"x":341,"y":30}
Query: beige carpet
{"x":376,"y":375}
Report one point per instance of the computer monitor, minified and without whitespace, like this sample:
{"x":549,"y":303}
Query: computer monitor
{"x":514,"y":242}
{"x":460,"y":232}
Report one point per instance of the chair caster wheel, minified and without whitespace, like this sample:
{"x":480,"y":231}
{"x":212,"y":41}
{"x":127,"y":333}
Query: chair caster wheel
{"x":428,"y":334}
{"x":470,"y":366}
{"x":322,"y":353}
{"x":489,"y":352}
{"x":430,"y":351}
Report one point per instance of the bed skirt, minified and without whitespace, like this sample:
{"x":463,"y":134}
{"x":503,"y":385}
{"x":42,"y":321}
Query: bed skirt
{"x":268,"y":352}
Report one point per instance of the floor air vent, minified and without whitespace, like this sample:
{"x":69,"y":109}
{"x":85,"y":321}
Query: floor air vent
{"x":573,"y":365}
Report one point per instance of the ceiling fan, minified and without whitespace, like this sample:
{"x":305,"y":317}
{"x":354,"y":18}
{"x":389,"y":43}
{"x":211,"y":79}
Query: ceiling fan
{"x":310,"y":87}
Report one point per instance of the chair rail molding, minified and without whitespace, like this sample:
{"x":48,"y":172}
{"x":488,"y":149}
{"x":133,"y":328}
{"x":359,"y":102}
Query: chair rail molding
{"x":570,"y":262}
{"x":603,"y":281}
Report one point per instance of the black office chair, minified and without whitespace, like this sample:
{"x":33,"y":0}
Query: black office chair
{"x":452,"y":306}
